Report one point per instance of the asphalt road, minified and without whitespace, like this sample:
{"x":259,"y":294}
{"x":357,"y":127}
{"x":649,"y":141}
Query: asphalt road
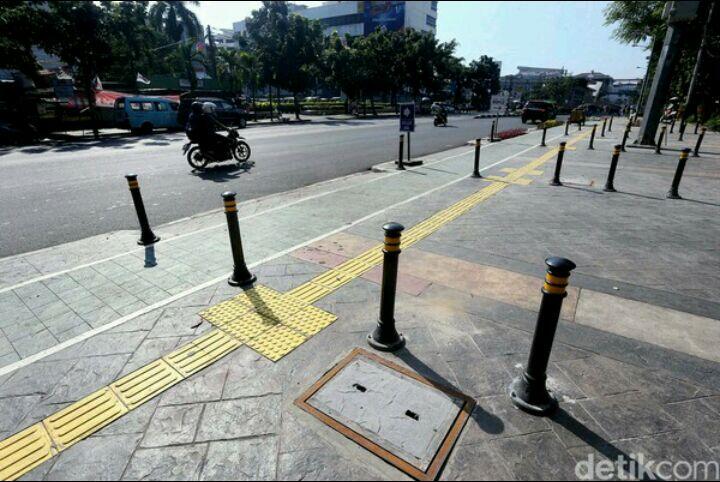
{"x":56,"y":194}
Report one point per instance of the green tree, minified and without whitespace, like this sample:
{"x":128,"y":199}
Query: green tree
{"x":174,"y":18}
{"x":133,"y":42}
{"x":184,"y":58}
{"x":22,"y":26}
{"x":81,"y":32}
{"x":483,"y":80}
{"x":340,"y":66}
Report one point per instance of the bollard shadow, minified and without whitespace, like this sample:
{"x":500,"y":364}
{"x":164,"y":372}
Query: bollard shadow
{"x":644,"y":196}
{"x":697,"y":201}
{"x":486,"y":421}
{"x":440,"y":170}
{"x":606,"y":448}
{"x":578,"y":187}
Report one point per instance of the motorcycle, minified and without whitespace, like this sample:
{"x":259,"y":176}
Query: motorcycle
{"x":235,"y":147}
{"x":440,"y":119}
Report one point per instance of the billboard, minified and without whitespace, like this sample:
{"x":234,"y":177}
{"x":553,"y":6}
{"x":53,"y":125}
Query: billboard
{"x":386,"y":15}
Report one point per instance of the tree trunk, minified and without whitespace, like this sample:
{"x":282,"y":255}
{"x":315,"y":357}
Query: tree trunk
{"x":296,"y":105}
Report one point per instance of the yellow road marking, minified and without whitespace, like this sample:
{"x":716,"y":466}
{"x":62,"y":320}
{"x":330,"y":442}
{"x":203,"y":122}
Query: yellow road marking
{"x":287,"y":319}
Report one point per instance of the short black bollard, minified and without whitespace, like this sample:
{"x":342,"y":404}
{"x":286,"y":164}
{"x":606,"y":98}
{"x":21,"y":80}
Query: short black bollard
{"x":626,"y":134}
{"x":673,"y":193}
{"x":602,"y":132}
{"x":658,"y":146}
{"x":385,"y":337}
{"x":697,"y":125}
{"x":476,"y":166}
{"x":696,"y":153}
{"x":592,"y":138}
{"x":542,"y":143}
{"x":146,"y":234}
{"x":401,"y":166}
{"x":579,"y":125}
{"x":529,"y":391}
{"x":558,"y":165}
{"x":610,"y":184}
{"x":672,"y":125}
{"x":610,"y":124}
{"x":240,"y":275}
{"x":492,"y":132}
{"x":681,"y":131}
{"x":567,"y":126}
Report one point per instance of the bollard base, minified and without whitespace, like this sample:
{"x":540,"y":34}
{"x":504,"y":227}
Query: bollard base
{"x":532,"y":396}
{"x":672,"y":195}
{"x":609,"y":189}
{"x":148,"y":240}
{"x":382,"y":341}
{"x":242,"y":282}
{"x":477,"y":175}
{"x":556,"y":183}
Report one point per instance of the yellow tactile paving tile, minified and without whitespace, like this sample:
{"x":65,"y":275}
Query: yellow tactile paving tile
{"x":250,"y":326}
{"x":84,"y":417}
{"x":146,"y":382}
{"x":202,"y":352}
{"x":310,"y":321}
{"x":310,"y":292}
{"x":224,"y":312}
{"x":24,"y":451}
{"x":277,"y":342}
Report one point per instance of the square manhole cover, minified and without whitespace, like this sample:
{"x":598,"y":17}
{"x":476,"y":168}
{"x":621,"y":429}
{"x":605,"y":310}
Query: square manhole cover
{"x":408,"y":420}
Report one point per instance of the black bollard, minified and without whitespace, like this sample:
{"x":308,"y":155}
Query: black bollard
{"x":241,"y":276}
{"x":673,"y":193}
{"x":672,"y":125}
{"x":567,"y":126}
{"x":558,"y":165}
{"x":610,"y":184}
{"x":385,"y":337}
{"x":146,"y":234}
{"x":697,"y":125}
{"x":592,"y":138}
{"x":660,"y":139}
{"x":579,"y":125}
{"x":696,"y":153}
{"x":529,"y":391}
{"x":626,"y":134}
{"x":681,"y":131}
{"x":602,"y":132}
{"x":492,"y":132}
{"x":542,"y":143}
{"x":401,"y":166}
{"x":610,"y":124}
{"x":476,"y":166}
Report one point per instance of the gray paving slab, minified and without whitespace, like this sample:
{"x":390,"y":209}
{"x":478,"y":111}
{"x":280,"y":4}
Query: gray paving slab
{"x":239,"y":418}
{"x":175,"y":425}
{"x":81,"y":461}
{"x":247,"y":459}
{"x":166,"y":463}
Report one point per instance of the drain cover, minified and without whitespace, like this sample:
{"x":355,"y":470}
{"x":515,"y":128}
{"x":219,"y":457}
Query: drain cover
{"x":407,"y":420}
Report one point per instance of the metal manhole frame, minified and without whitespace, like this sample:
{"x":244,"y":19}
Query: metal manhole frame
{"x":443,"y":452}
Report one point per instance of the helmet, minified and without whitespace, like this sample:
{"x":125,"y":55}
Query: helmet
{"x":208,"y":108}
{"x":196,"y":107}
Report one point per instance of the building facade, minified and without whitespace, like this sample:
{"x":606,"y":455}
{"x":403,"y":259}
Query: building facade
{"x":363,"y":17}
{"x":521,"y":84}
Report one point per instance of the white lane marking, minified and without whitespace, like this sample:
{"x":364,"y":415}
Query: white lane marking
{"x":89,"y":334}
{"x":219,"y":225}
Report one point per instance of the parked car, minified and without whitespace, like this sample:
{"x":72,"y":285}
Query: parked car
{"x":538,"y":110}
{"x":145,"y":114}
{"x":226,"y":111}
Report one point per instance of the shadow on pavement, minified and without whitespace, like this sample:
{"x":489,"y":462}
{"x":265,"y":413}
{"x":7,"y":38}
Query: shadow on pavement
{"x":607,"y":449}
{"x":221,"y":172}
{"x":486,"y":421}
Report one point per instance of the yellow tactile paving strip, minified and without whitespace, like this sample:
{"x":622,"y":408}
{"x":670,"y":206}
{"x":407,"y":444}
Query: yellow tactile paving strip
{"x":270,"y":322}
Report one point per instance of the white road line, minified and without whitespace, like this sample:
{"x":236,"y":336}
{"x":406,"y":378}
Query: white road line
{"x":89,"y":334}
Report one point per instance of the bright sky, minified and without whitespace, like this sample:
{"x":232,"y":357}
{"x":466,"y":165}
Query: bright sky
{"x":536,"y":34}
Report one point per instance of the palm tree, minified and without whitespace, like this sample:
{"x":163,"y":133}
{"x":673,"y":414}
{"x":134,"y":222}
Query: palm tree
{"x":174,"y":18}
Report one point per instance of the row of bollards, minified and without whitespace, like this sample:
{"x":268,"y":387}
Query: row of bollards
{"x":529,"y":391}
{"x":610,"y":183}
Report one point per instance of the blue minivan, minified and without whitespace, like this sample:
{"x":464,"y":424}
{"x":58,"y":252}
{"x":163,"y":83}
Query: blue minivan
{"x":145,"y":114}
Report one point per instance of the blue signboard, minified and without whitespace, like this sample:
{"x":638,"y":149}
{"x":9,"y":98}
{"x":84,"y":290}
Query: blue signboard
{"x":386,"y":15}
{"x":407,"y":117}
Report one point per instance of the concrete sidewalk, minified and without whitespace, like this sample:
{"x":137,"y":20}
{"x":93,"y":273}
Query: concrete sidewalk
{"x":635,"y":363}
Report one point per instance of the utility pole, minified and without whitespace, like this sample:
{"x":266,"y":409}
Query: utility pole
{"x":639,"y":105}
{"x":677,"y":14}
{"x":690,"y":98}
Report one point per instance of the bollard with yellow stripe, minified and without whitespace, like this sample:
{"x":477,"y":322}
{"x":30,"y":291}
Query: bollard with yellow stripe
{"x":558,"y":165}
{"x":610,"y":183}
{"x":147,"y":237}
{"x":529,"y":391}
{"x":385,"y":336}
{"x":673,"y":193}
{"x":241,"y":276}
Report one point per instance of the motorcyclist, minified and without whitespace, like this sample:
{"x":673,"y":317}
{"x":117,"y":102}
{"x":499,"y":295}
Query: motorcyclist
{"x":441,"y":114}
{"x":194,"y":128}
{"x":211,"y":125}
